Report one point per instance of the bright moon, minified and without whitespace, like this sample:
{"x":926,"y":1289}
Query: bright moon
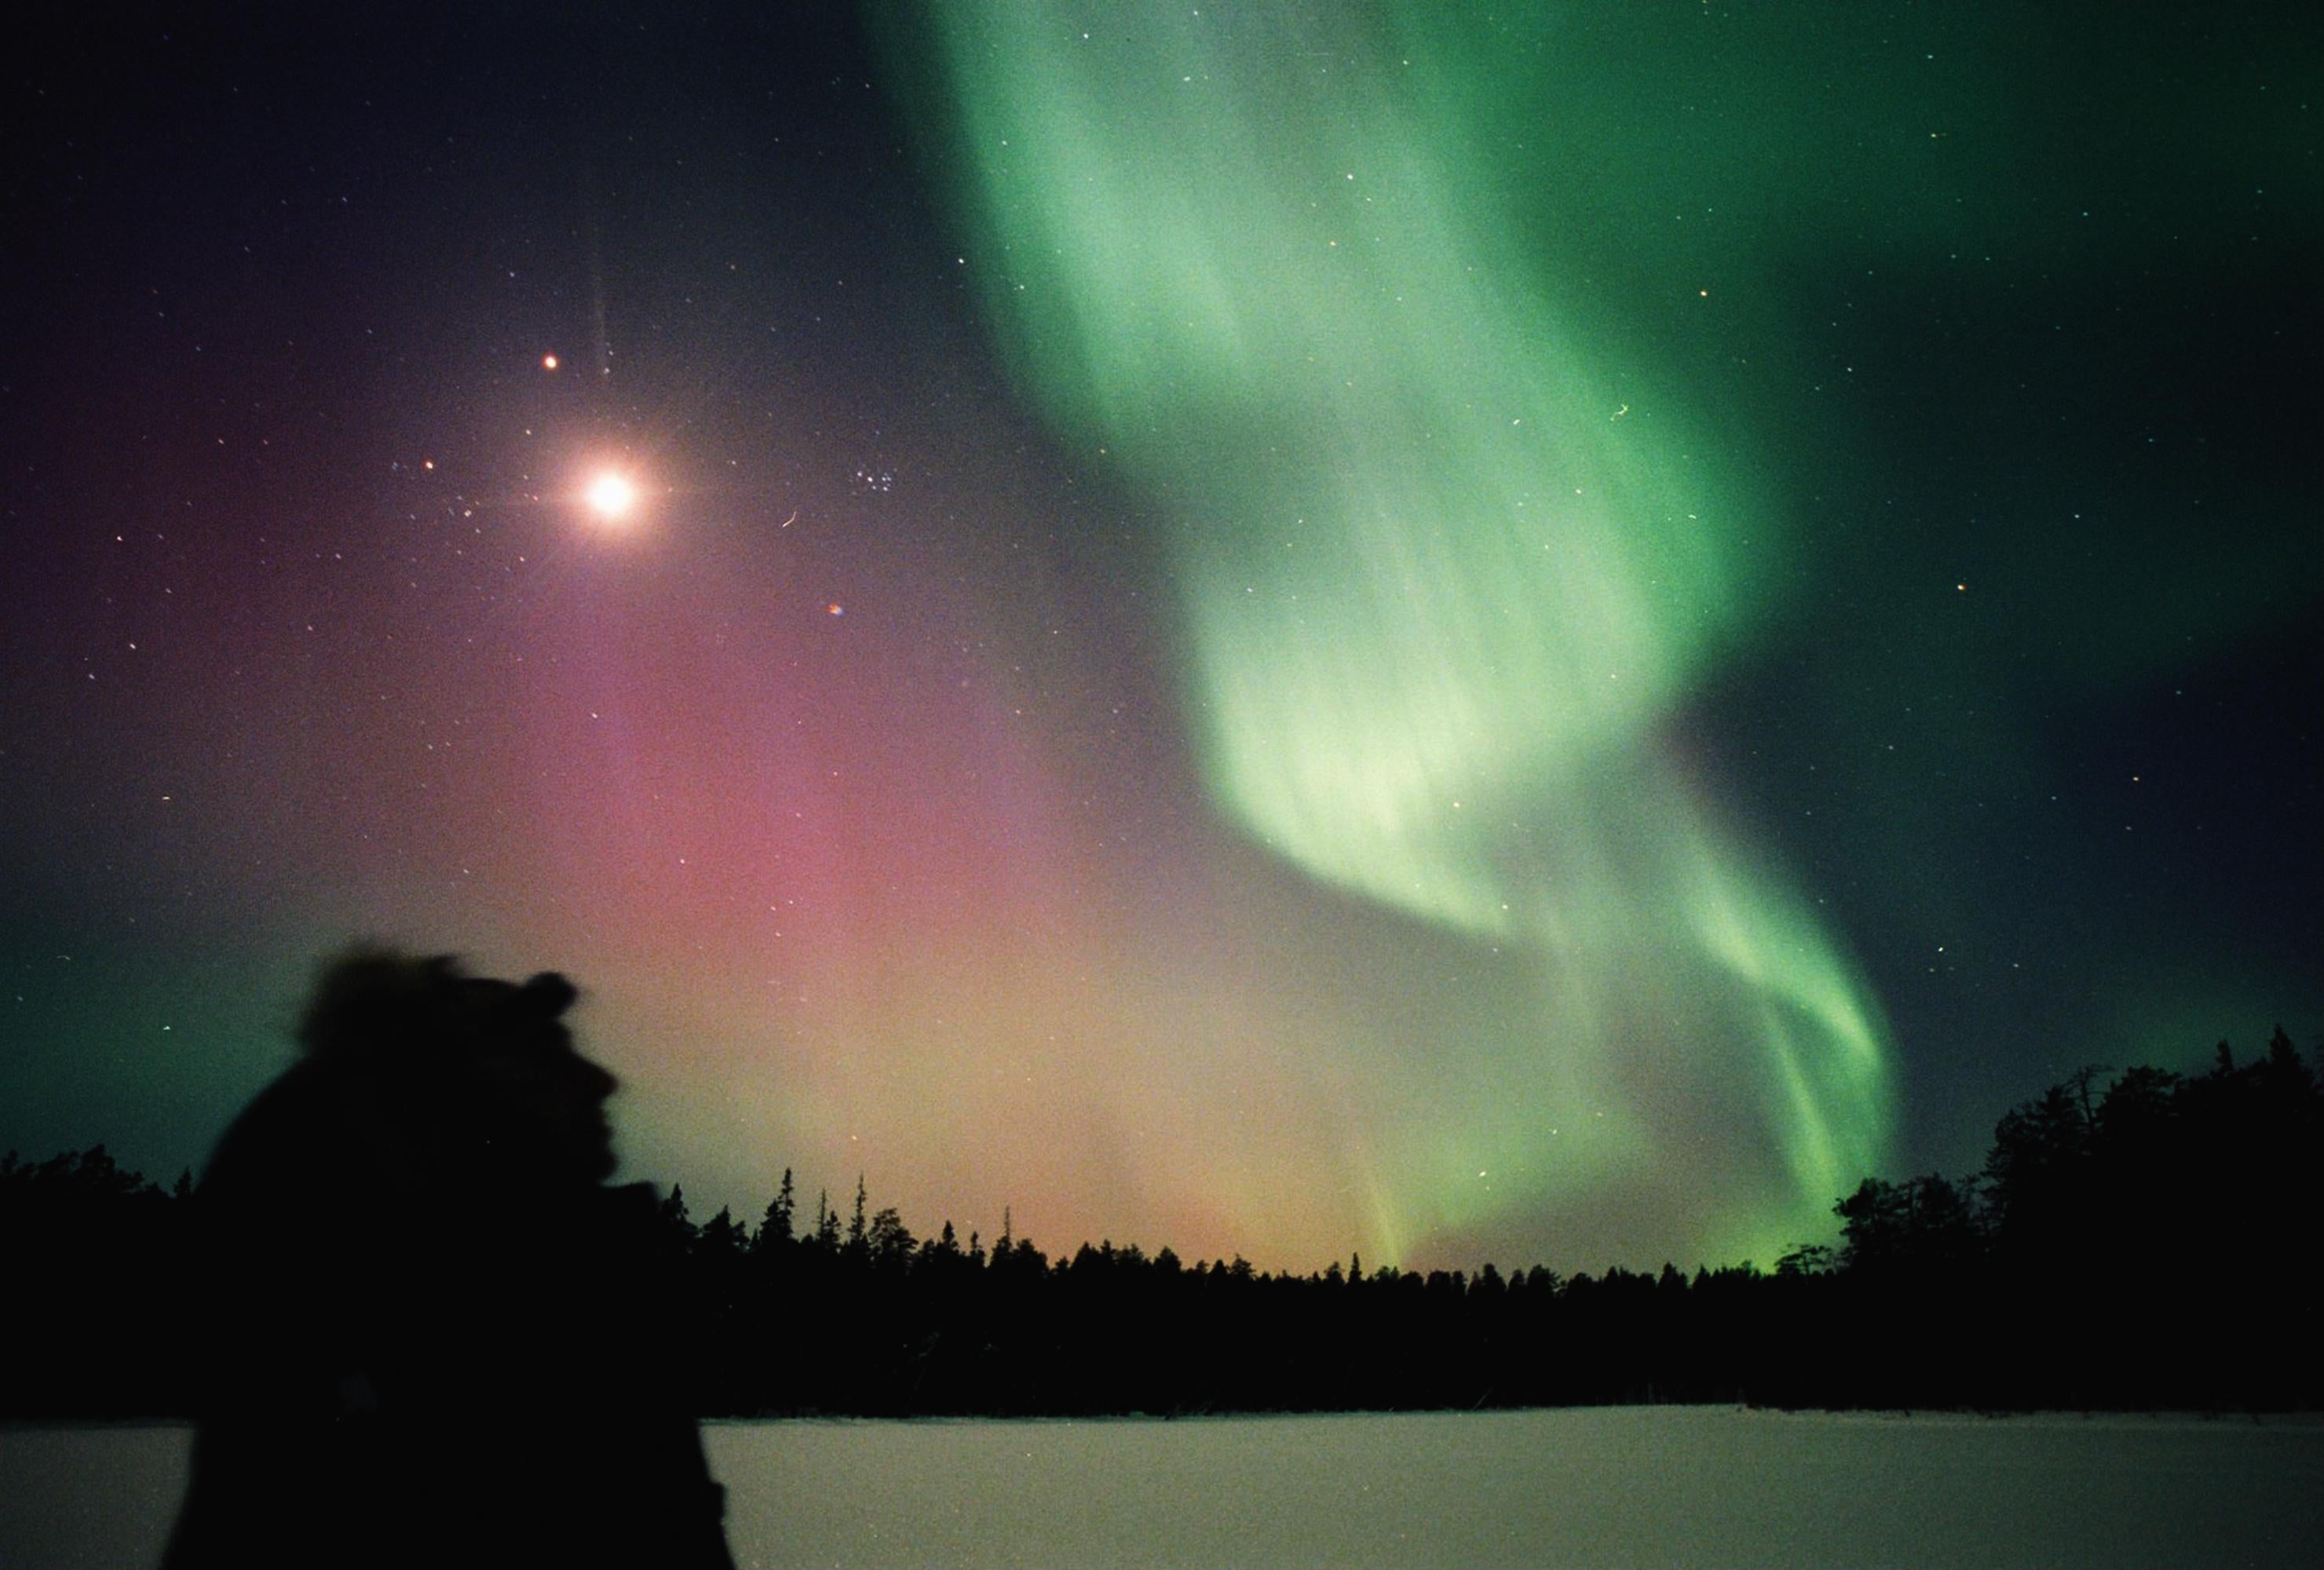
{"x":610,"y":497}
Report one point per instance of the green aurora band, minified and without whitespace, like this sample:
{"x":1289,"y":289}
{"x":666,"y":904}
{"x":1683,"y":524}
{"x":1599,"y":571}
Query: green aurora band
{"x":1450,"y":565}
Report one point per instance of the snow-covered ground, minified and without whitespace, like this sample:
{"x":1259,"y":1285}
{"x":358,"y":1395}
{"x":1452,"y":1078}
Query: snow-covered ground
{"x":1624,"y":1487}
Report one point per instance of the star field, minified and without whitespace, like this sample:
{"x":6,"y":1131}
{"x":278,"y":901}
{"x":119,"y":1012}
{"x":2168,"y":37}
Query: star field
{"x":1535,"y":634}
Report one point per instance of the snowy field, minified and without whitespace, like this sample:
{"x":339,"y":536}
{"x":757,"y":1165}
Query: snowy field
{"x":1663,"y":1485}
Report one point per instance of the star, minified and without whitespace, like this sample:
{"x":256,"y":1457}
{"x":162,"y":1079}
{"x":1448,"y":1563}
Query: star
{"x":610,"y":496}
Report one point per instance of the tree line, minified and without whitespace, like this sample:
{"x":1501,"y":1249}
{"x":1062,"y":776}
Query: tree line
{"x":2133,"y":1240}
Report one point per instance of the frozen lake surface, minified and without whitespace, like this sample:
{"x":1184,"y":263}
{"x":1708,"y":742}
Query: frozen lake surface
{"x":1661,"y":1485}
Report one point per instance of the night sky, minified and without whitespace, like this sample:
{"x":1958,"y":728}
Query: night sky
{"x":1535,"y":632}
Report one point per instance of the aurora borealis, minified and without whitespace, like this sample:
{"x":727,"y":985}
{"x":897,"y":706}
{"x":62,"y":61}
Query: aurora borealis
{"x":1541,"y":632}
{"x":1440,"y":597}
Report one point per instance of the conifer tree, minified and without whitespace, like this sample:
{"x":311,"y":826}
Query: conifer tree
{"x":775,"y":1225}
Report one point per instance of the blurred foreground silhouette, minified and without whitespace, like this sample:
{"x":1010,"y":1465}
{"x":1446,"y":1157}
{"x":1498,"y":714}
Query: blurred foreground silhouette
{"x":430,"y":1330}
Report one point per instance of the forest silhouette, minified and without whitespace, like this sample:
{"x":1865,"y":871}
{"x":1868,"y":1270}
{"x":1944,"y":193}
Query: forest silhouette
{"x":2134,"y":1239}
